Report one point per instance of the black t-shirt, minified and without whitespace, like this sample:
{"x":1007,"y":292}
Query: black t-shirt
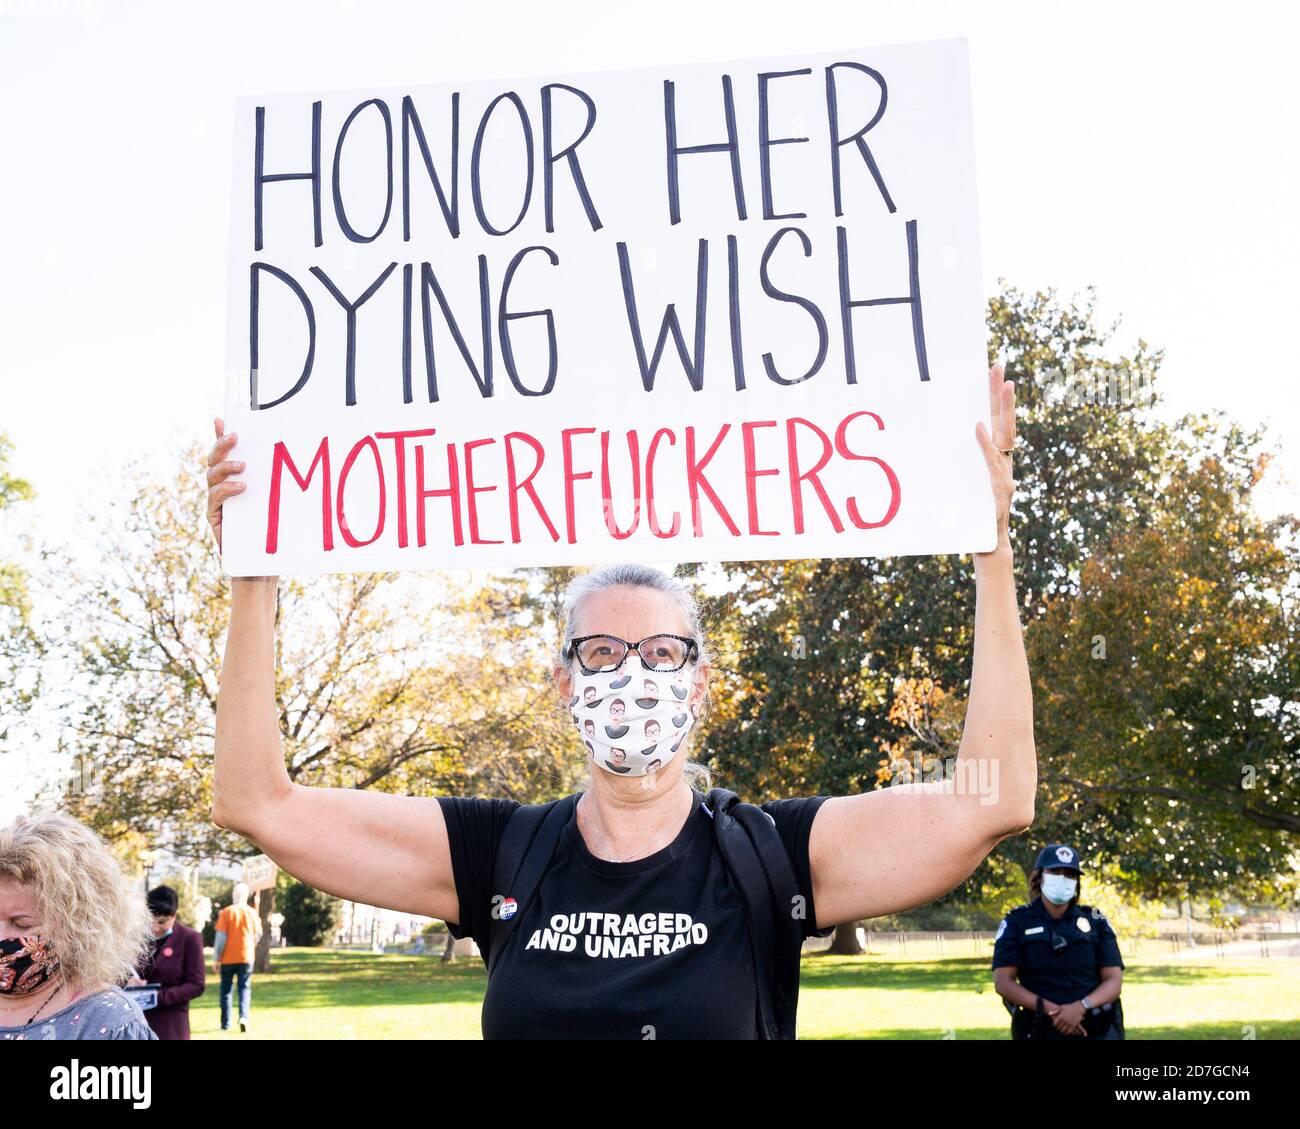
{"x":655,"y":948}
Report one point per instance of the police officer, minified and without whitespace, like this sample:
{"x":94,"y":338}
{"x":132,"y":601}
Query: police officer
{"x":1064,"y":955}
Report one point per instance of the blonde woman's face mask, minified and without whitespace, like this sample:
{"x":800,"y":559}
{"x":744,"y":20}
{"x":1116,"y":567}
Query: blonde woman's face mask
{"x":25,"y":964}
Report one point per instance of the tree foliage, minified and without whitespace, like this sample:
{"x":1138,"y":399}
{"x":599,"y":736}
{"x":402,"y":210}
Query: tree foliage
{"x":1166,"y":689}
{"x":311,"y":917}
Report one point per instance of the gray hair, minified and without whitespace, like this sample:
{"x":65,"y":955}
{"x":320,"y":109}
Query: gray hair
{"x":636,"y":575}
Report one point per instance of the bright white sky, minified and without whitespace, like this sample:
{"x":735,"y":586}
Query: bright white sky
{"x":1146,"y":148}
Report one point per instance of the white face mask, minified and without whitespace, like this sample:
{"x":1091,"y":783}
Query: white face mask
{"x":1059,"y":889}
{"x":632,"y":720}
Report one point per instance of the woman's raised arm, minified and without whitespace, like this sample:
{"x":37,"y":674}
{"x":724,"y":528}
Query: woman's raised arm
{"x":895,"y":848}
{"x":368,"y":847}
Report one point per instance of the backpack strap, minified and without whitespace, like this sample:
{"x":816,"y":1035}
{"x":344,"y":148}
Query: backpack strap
{"x":527,"y":843}
{"x":752,"y":848}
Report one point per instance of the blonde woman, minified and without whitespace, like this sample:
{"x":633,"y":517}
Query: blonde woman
{"x":71,"y":930}
{"x":634,"y":929}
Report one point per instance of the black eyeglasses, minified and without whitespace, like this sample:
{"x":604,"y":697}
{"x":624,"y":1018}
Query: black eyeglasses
{"x":600,"y":654}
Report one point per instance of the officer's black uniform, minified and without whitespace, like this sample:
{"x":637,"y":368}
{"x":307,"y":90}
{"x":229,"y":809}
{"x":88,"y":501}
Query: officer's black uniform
{"x":1059,"y":959}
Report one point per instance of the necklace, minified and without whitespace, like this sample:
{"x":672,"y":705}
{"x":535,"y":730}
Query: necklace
{"x":645,"y":849}
{"x":48,"y":998}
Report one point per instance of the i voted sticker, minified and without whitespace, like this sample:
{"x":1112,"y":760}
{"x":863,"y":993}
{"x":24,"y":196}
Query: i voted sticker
{"x":509,"y":907}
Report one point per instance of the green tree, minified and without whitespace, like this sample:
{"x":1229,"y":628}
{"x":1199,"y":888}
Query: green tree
{"x":1167,"y":689}
{"x":310,"y":916}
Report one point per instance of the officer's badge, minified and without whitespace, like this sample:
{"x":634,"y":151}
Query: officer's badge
{"x":1083,"y":924}
{"x":1002,"y":928}
{"x":1065,"y":854}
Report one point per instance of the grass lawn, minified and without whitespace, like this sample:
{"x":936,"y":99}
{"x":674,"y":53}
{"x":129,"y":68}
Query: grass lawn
{"x":325,"y":994}
{"x":878,"y":998}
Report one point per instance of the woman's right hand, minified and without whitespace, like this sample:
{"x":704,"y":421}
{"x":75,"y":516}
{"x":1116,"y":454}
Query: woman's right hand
{"x":221,"y":467}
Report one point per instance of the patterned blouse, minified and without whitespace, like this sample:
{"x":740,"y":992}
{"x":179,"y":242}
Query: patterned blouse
{"x":110,"y":1014}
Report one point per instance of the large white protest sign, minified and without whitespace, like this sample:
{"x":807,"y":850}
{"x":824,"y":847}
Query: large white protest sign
{"x":710,"y":312}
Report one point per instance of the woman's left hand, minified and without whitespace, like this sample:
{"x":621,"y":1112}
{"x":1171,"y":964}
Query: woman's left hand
{"x":1069,"y":1019}
{"x":1002,"y":411}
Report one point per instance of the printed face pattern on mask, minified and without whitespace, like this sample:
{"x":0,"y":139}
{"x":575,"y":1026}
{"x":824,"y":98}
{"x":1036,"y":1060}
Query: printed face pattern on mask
{"x":632,"y":722}
{"x":25,"y":964}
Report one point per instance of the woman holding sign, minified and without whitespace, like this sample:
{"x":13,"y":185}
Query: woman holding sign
{"x":639,"y":908}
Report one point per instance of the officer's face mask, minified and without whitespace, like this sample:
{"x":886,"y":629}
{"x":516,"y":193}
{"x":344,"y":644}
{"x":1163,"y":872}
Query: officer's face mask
{"x":1059,"y":888}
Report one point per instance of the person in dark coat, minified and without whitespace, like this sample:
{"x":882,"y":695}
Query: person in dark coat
{"x":176,"y":966}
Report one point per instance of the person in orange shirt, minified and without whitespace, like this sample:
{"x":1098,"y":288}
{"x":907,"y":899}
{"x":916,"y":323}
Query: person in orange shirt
{"x":238,"y":930}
